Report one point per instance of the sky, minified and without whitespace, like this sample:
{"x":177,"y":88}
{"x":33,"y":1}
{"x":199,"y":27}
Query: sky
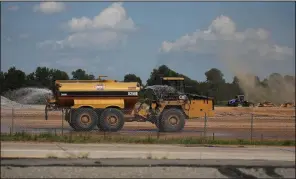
{"x":116,"y":38}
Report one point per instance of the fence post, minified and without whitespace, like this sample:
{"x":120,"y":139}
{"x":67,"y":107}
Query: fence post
{"x":252,"y":120}
{"x":158,"y":130}
{"x":70,"y":136}
{"x":205,"y":125}
{"x":62,"y":122}
{"x":158,"y":134}
{"x":12,"y":120}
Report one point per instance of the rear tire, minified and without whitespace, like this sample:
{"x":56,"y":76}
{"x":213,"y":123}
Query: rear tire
{"x":99,"y":113}
{"x":84,"y":119}
{"x":246,"y":104}
{"x":172,"y":120}
{"x":111,"y":120}
{"x":68,"y":115}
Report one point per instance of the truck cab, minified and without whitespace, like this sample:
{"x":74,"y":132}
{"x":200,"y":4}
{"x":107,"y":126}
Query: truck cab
{"x":176,"y":82}
{"x":198,"y":105}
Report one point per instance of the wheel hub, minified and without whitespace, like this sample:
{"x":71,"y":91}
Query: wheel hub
{"x":85,"y":119}
{"x":112,"y":120}
{"x":173,"y":120}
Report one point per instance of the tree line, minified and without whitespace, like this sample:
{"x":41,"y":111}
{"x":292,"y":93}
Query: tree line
{"x":214,"y":85}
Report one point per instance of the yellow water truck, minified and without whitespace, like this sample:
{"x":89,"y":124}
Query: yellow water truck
{"x":108,"y":104}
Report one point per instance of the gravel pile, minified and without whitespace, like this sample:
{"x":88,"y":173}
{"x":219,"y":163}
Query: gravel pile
{"x":163,"y":90}
{"x":29,"y":95}
{"x":9,"y":104}
{"x":25,"y":98}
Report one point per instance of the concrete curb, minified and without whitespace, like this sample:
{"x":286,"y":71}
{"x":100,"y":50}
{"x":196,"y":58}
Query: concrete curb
{"x":129,"y":151}
{"x":139,"y":154}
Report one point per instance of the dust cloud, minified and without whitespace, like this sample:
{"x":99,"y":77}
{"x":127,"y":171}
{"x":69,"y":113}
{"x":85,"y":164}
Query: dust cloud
{"x":276,"y":89}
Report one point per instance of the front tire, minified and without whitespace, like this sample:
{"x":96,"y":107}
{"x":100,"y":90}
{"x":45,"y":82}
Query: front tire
{"x":111,"y":120}
{"x":158,"y":124}
{"x":84,"y":119}
{"x":73,"y":126}
{"x":172,"y":120}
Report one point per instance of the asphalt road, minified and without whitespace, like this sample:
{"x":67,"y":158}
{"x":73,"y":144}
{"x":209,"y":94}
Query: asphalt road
{"x":60,"y":160}
{"x":145,"y":168}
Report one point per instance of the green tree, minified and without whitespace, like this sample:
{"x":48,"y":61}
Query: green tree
{"x":14,"y":79}
{"x":264,"y":83}
{"x":275,"y":81}
{"x":31,"y":80}
{"x":154,"y":78}
{"x":132,"y":78}
{"x":235,"y":80}
{"x":31,"y":76}
{"x":234,"y":88}
{"x":192,"y":86}
{"x":276,"y":77}
{"x":43,"y":76}
{"x":91,"y":77}
{"x":2,"y":84}
{"x":214,"y":76}
{"x":80,"y":74}
{"x":58,"y":75}
{"x":257,"y":81}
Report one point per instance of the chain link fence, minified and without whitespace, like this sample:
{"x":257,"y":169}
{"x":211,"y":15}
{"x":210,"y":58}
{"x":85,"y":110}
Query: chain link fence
{"x":249,"y":126}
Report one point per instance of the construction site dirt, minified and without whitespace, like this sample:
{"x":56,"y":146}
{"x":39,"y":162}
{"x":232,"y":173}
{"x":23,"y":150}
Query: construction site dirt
{"x":274,"y":123}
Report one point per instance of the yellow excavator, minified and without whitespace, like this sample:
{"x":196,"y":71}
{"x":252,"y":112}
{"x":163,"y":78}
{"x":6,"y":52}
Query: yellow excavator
{"x":108,"y":104}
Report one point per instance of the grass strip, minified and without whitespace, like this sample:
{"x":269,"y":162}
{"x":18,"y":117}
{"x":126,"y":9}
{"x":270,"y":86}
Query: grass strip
{"x":92,"y":138}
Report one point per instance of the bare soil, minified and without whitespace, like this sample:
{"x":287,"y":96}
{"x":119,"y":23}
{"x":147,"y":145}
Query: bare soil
{"x":229,"y":122}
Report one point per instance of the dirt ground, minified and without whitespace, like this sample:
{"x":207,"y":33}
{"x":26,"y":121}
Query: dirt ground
{"x":229,"y":122}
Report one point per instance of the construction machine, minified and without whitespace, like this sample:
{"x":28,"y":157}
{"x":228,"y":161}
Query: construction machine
{"x":239,"y":100}
{"x":108,"y":104}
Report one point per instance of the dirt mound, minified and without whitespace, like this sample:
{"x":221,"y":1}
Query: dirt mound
{"x":270,"y":104}
{"x":288,"y":105}
{"x":266,"y":104}
{"x":257,"y":111}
